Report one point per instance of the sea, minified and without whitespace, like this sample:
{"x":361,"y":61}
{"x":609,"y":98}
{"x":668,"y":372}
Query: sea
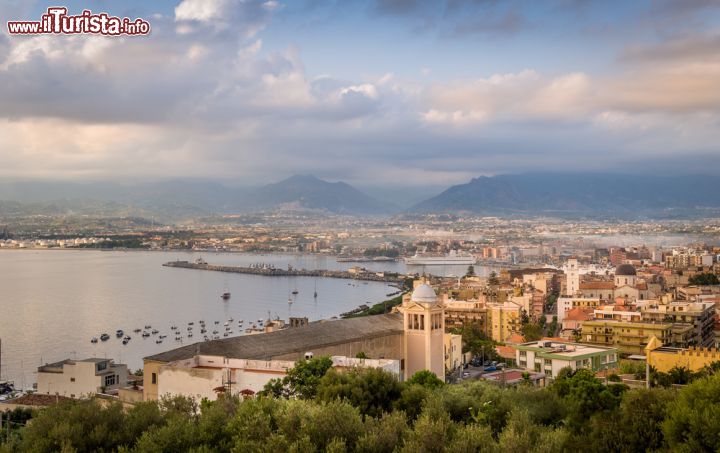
{"x":53,"y":302}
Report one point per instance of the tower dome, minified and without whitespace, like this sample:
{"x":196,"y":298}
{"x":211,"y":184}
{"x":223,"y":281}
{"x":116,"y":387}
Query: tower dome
{"x":625,"y":269}
{"x":424,"y":294}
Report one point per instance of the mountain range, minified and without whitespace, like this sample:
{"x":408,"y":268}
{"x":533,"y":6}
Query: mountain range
{"x":531,"y":194}
{"x":583,"y":194}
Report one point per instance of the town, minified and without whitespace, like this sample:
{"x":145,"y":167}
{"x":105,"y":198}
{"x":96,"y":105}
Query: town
{"x":631,"y":317}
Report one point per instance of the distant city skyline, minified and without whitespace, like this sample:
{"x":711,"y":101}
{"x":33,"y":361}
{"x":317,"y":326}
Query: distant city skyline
{"x":374,"y":93}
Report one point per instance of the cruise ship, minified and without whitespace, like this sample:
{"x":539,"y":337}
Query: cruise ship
{"x":452,"y":258}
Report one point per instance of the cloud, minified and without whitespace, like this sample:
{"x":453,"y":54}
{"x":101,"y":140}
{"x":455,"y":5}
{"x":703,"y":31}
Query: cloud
{"x":696,"y":47}
{"x":508,"y":22}
{"x":212,"y":93}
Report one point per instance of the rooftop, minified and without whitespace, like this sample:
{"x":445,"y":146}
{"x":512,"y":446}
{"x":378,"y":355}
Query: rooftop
{"x":292,"y":340}
{"x":565,"y":349}
{"x":57,"y":367}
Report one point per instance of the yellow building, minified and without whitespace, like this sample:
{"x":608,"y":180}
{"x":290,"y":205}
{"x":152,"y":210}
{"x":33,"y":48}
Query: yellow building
{"x":665,"y":358}
{"x":504,"y":320}
{"x":453,"y":351}
{"x":460,"y":313}
{"x":424,"y":332}
{"x":629,"y":337}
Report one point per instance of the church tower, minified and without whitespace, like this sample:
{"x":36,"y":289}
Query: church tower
{"x":572,"y":277}
{"x":424,"y":326}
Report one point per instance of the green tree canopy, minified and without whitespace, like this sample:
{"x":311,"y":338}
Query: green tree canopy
{"x":301,"y":380}
{"x":704,"y":279}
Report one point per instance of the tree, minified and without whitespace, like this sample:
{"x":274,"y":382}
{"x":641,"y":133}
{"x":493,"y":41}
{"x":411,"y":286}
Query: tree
{"x":532,"y":332}
{"x":493,"y":279}
{"x":693,"y":417}
{"x":470,"y":271}
{"x":704,"y":279}
{"x":361,"y":355}
{"x":585,"y":395}
{"x":635,"y":426}
{"x":426,"y":378}
{"x":301,"y":380}
{"x":372,"y":390}
{"x":476,"y":342}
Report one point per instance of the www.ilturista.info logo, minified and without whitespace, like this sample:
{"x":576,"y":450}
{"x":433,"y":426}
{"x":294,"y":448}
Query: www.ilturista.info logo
{"x":57,"y":22}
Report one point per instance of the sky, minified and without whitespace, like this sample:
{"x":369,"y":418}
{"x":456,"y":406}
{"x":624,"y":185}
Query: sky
{"x":378,"y":93}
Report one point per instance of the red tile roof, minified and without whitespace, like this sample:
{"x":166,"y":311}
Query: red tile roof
{"x":579,"y":314}
{"x":36,"y":399}
{"x":506,"y":352}
{"x":597,"y":285}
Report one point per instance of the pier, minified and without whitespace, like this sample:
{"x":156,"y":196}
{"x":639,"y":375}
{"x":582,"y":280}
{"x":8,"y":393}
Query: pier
{"x":383,"y":277}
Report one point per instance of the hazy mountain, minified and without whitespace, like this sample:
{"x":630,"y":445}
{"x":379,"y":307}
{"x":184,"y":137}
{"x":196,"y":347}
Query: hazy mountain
{"x":181,"y":199}
{"x":309,"y":192}
{"x":592,"y":194}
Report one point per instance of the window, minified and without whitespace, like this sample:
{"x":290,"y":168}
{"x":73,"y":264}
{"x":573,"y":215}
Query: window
{"x":72,"y":379}
{"x":154,"y":378}
{"x":101,"y":366}
{"x":548,"y":362}
{"x":109,"y":380}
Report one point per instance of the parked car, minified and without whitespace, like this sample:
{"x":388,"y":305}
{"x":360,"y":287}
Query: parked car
{"x":465,"y":374}
{"x":490,"y":368}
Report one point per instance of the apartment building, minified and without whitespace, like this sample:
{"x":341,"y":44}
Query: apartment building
{"x":550,"y":357}
{"x":81,"y":378}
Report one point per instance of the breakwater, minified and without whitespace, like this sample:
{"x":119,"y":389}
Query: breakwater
{"x":277,"y":272}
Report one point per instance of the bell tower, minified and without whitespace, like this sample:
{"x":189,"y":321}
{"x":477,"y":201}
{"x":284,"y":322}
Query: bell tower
{"x":424,"y":330}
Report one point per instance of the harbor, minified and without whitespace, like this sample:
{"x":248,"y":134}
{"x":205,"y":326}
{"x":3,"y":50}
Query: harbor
{"x":128,"y":291}
{"x":271,"y":271}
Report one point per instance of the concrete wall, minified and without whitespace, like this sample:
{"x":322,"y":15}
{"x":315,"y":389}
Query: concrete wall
{"x":197,"y":383}
{"x":693,"y":358}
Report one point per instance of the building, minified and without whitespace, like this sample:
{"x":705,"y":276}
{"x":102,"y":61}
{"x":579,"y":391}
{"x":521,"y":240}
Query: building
{"x":413,"y":336}
{"x":424,"y":331}
{"x":697,"y":317}
{"x":81,"y":378}
{"x":459,"y":313}
{"x":504,"y":320}
{"x":208,"y":376}
{"x":565,"y":304}
{"x":378,"y":337}
{"x":550,"y":357}
{"x":629,"y":337}
{"x":598,"y":289}
{"x":574,"y":319}
{"x":453,"y":352}
{"x":572,"y":273}
{"x":664,"y":358}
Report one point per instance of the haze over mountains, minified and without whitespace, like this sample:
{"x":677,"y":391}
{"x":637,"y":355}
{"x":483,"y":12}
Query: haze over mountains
{"x":593,"y":194}
{"x":533,"y":194}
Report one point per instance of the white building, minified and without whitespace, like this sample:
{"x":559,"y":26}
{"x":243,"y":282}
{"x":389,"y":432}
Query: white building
{"x":205,"y":376}
{"x":572,"y":277}
{"x":550,"y":357}
{"x":81,"y":378}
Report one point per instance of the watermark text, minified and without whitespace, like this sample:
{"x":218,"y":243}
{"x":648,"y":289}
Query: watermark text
{"x":57,"y":22}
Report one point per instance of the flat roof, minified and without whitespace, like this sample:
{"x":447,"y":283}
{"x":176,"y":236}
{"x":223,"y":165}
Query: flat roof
{"x":572,"y":350}
{"x":302,"y":339}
